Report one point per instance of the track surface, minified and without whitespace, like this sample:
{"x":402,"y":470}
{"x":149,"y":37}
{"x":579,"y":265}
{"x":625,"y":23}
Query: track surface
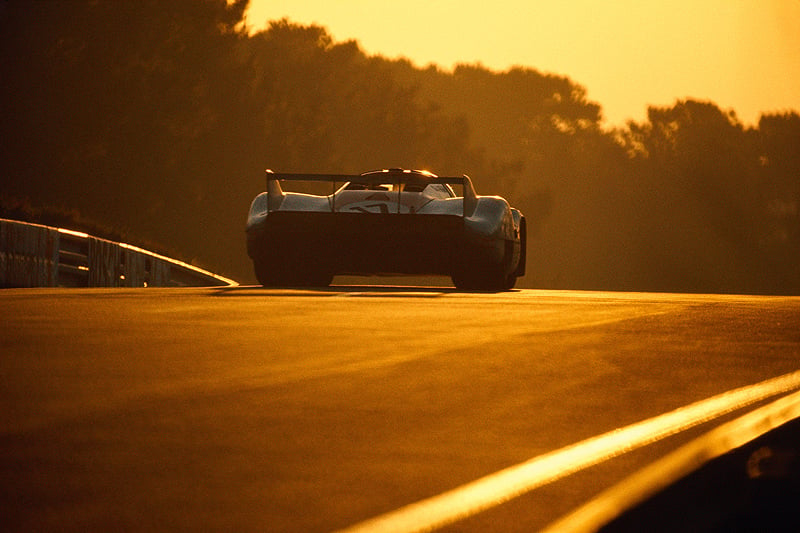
{"x":286,"y":410}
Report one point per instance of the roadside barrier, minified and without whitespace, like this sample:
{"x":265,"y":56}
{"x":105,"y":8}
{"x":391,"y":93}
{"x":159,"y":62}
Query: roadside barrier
{"x":32,"y":255}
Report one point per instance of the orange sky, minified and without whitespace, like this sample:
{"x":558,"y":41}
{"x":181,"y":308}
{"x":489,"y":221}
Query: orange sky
{"x":741,"y":54}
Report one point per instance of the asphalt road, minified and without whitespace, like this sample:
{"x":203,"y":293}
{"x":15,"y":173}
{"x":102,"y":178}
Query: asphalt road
{"x":285,"y":410}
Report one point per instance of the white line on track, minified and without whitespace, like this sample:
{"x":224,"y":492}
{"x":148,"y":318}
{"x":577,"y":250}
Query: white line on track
{"x":494,"y":489}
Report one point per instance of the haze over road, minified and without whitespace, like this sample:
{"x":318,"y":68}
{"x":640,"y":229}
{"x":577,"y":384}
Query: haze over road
{"x":287,"y":410}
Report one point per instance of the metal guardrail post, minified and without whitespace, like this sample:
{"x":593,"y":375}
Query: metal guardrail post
{"x":133,"y":268}
{"x":104,"y":263}
{"x":28,"y":255}
{"x":159,"y":273}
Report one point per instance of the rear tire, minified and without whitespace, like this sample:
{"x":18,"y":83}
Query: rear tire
{"x":491,"y":279}
{"x":487,"y":276}
{"x":265,"y":273}
{"x":511,"y":280}
{"x":272,"y":274}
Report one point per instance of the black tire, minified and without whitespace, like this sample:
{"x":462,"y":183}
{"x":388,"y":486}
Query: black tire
{"x":276,"y":274}
{"x":266,"y":273}
{"x":487,"y":276}
{"x":511,"y":280}
{"x":491,"y":279}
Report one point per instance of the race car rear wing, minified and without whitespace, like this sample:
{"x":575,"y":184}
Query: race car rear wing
{"x":275,"y":191}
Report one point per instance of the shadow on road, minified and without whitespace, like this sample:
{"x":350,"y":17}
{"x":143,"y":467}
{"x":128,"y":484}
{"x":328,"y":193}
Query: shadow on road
{"x":347,"y":290}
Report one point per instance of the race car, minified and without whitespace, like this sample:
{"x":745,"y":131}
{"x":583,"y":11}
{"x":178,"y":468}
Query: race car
{"x":384,"y":222}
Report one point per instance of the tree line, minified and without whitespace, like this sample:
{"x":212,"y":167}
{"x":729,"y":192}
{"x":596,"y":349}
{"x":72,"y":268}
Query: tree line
{"x":159,"y":119}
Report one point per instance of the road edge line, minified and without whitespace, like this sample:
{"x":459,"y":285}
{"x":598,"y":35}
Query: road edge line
{"x":491,"y":490}
{"x":653,"y":478}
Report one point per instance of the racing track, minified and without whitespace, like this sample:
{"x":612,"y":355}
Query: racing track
{"x":287,"y":410}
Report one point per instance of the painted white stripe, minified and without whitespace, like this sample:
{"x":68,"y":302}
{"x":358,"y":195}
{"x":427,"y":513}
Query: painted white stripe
{"x":641,"y":485}
{"x":494,"y":489}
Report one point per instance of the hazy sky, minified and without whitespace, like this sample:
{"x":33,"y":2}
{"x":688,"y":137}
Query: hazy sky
{"x":741,"y":54}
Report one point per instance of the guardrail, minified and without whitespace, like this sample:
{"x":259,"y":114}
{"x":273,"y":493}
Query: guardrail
{"x":32,"y":255}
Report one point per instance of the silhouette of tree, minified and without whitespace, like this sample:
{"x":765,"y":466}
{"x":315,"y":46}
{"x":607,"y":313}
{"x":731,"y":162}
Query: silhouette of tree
{"x":111,"y":102}
{"x":706,"y":189}
{"x":779,"y":173}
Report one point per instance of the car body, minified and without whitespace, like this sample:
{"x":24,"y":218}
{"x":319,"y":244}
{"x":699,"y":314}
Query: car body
{"x":385,"y":222}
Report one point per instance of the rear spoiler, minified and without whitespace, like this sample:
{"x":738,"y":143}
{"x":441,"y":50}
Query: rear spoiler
{"x":275,"y":191}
